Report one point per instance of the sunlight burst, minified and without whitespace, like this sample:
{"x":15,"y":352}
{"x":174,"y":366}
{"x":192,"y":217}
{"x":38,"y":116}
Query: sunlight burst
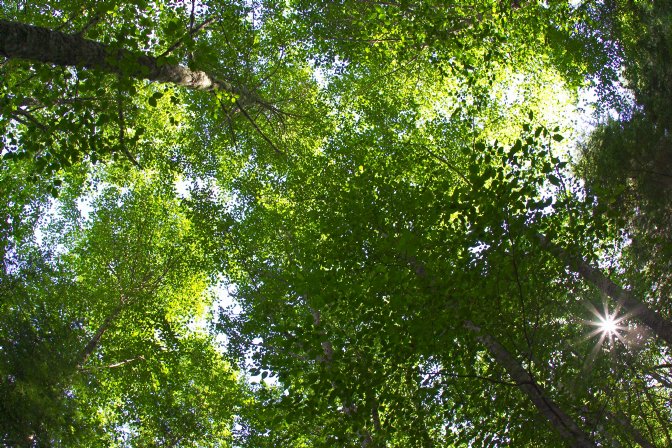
{"x":608,"y":326}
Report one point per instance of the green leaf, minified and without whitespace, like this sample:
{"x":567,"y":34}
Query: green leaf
{"x":554,"y":180}
{"x":517,"y":146}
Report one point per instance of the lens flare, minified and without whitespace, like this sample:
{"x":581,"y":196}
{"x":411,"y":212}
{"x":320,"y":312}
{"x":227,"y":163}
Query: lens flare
{"x":608,"y":324}
{"x":609,"y":327}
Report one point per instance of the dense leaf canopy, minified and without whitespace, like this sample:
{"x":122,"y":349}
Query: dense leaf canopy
{"x":335,"y":223}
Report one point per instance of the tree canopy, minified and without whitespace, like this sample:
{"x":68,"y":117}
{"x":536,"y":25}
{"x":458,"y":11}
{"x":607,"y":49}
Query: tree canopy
{"x":353,"y":223}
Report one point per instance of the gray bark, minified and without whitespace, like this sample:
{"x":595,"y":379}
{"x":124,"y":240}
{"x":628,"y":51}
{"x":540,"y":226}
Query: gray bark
{"x":562,"y":423}
{"x":660,"y":326}
{"x":38,"y":44}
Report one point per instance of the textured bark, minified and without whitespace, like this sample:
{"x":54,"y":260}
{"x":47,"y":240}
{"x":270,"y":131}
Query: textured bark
{"x":629,"y":303}
{"x":562,"y":423}
{"x":37,"y":44}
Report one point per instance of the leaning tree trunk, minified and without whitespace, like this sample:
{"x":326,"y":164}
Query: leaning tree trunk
{"x":562,"y":423}
{"x":93,"y":343}
{"x":38,"y":44}
{"x":630,"y":304}
{"x":637,"y":436}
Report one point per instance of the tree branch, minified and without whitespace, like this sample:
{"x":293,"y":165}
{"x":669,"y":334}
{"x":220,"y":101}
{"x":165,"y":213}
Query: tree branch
{"x":38,"y":44}
{"x":633,"y":306}
{"x":92,"y":345}
{"x":562,"y":423}
{"x":192,"y":31}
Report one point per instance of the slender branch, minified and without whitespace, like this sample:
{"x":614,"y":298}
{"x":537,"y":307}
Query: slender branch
{"x":29,"y":117}
{"x":521,"y":296}
{"x":118,"y":364}
{"x":192,"y":31}
{"x":475,"y":377}
{"x":375,"y":415}
{"x":562,"y":423}
{"x":126,"y":361}
{"x":450,"y":166}
{"x":664,"y":422}
{"x":665,"y":382}
{"x":192,"y":15}
{"x":20,"y":120}
{"x":122,"y":131}
{"x":662,"y":366}
{"x":93,"y":21}
{"x":36,"y":104}
{"x":256,"y":127}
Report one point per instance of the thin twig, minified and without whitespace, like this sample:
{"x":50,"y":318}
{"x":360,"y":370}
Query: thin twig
{"x":448,"y":164}
{"x":93,"y":21}
{"x":476,"y":377}
{"x":35,"y":104}
{"x":521,"y":295}
{"x":122,"y":125}
{"x":191,"y":33}
{"x":256,"y":127}
{"x":30,"y":118}
{"x":118,"y":364}
{"x":192,"y":15}
{"x":662,"y":366}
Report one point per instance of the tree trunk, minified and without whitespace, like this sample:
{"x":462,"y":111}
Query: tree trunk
{"x":630,"y":304}
{"x":634,"y":432}
{"x":38,"y":44}
{"x":95,"y":340}
{"x":562,"y":423}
